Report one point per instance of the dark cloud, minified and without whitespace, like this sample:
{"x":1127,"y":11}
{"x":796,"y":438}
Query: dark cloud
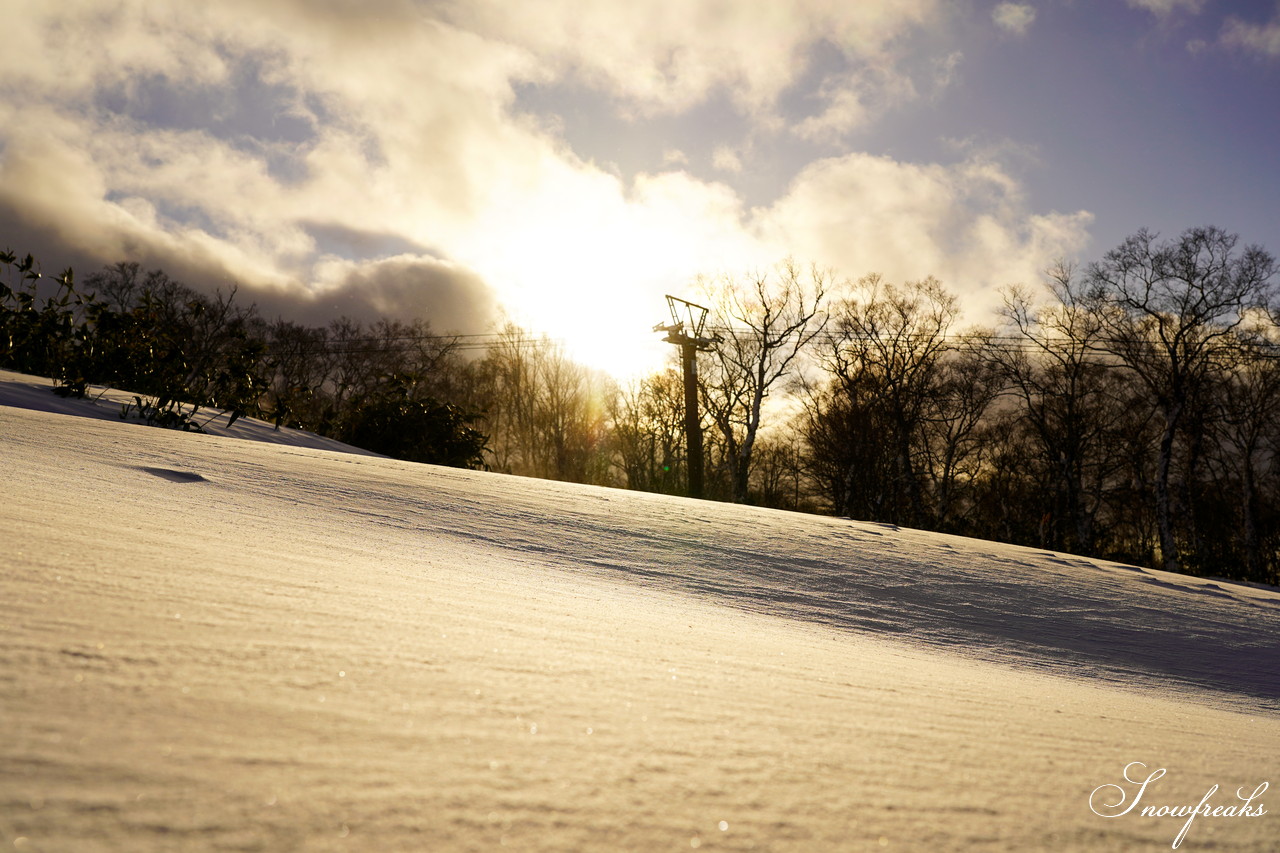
{"x":358,"y":244}
{"x":406,"y":286}
{"x":450,"y":297}
{"x":49,"y":249}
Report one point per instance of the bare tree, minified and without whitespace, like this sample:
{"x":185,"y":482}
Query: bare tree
{"x":956,"y":432}
{"x":778,"y":477}
{"x":845,"y":460}
{"x":569,"y":418}
{"x":298,"y":366}
{"x":546,"y":414}
{"x":1068,"y":399}
{"x":766,"y":320}
{"x":648,"y":432}
{"x":506,"y":391}
{"x":1248,"y":408}
{"x":884,"y":356}
{"x":1166,"y":310}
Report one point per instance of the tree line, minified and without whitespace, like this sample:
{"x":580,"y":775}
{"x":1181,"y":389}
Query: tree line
{"x":1128,"y":408}
{"x":385,"y":386}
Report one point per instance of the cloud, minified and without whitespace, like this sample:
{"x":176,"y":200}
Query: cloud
{"x":674,"y":157}
{"x":1014,"y":18}
{"x":849,"y":106}
{"x":1261,"y":40}
{"x":450,"y":296}
{"x":52,"y":204}
{"x":855,"y":97}
{"x":1165,"y":8}
{"x":668,"y":55}
{"x":945,"y":70}
{"x":369,"y":158}
{"x":966,"y":223}
{"x":725,"y":159}
{"x":211,"y":150}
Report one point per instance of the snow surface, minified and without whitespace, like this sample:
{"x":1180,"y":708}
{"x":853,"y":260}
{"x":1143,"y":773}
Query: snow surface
{"x":215,"y":644}
{"x":35,"y":392}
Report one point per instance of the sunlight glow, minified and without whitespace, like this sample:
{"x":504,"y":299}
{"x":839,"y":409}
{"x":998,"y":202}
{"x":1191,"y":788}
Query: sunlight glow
{"x":588,"y":264}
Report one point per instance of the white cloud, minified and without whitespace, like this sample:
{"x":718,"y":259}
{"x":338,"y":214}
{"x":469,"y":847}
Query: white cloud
{"x":967,"y":224}
{"x":853,"y":100}
{"x":1262,"y":40}
{"x":945,"y":70}
{"x":846,"y":111}
{"x":1014,"y":18}
{"x":1164,"y":8}
{"x":668,"y":55}
{"x":674,"y":157}
{"x":725,"y":159}
{"x":99,"y":159}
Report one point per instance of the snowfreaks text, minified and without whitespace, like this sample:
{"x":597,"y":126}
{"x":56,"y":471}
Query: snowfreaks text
{"x":1113,"y":800}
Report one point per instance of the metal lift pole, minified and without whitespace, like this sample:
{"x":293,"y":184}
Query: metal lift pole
{"x":693,"y":318}
{"x":692,"y":421}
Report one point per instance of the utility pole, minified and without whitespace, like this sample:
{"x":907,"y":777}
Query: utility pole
{"x":688,"y":322}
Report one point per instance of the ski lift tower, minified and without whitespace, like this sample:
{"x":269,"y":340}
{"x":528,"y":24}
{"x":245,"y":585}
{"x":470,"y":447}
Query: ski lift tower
{"x":687,"y":331}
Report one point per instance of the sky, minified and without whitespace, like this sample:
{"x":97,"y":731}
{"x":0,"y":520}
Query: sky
{"x":564,"y":165}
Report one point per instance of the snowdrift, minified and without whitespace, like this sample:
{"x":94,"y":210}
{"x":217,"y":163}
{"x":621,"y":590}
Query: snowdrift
{"x":210,"y":644}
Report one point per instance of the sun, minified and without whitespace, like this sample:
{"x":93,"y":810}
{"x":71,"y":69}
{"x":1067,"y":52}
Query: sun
{"x":588,"y":259}
{"x":626,"y":354}
{"x":610,"y":332}
{"x":595,"y":285}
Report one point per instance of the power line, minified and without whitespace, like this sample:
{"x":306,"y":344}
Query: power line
{"x":1024,"y":343}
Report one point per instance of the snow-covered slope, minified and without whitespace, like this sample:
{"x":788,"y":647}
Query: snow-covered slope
{"x":23,"y":391}
{"x":213,"y":644}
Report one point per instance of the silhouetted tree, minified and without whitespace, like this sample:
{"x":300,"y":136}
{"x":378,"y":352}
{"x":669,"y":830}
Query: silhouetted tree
{"x":1243,"y":452}
{"x":765,"y":320}
{"x":647,"y":418}
{"x":405,"y":425}
{"x":1166,"y":310}
{"x":955,"y":431}
{"x":884,"y":356}
{"x":299,"y":366}
{"x":1069,"y":401}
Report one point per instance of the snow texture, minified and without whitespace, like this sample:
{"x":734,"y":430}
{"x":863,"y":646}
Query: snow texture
{"x":216,"y":644}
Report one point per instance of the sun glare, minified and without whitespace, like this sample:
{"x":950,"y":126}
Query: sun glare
{"x":588,"y":262}
{"x":606,"y":331}
{"x":592,"y":273}
{"x":623,"y":356}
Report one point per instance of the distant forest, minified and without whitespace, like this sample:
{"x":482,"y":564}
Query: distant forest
{"x":1127,"y":409}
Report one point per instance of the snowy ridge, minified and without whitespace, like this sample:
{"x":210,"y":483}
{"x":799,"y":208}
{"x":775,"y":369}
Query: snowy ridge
{"x":219,"y":644}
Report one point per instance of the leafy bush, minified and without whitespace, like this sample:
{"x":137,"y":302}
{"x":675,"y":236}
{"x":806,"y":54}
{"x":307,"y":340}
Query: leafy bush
{"x":40,"y":337}
{"x":169,"y":414}
{"x":419,"y":430}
